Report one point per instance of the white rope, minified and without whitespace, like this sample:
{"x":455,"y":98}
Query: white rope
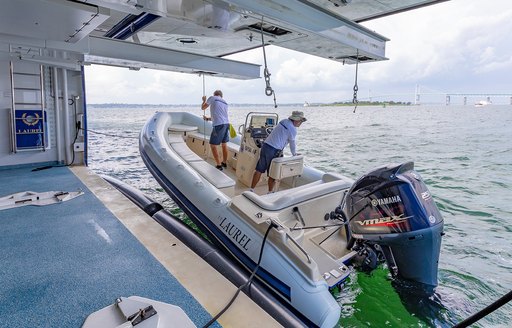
{"x":204,"y":119}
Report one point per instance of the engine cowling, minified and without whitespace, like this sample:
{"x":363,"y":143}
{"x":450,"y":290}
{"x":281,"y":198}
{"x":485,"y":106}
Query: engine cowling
{"x":391,"y":206}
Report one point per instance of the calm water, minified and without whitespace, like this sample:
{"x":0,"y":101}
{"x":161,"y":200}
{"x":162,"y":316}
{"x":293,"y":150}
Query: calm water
{"x":463,"y":153}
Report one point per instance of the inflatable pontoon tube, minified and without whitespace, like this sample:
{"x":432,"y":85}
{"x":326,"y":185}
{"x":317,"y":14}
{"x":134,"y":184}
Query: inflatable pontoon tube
{"x":238,"y":276}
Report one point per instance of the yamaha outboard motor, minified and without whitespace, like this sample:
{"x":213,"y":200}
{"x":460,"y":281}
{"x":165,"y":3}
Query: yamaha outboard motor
{"x":391,"y":209}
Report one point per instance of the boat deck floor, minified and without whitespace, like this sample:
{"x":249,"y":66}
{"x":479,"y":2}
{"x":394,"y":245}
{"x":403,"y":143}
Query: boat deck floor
{"x":61,"y":262}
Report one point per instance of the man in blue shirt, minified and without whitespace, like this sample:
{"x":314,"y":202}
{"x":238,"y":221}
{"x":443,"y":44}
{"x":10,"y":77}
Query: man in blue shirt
{"x":220,"y":123}
{"x":283,"y":133}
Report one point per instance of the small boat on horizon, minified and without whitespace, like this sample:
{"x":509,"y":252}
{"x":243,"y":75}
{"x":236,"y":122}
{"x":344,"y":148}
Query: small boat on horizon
{"x":482,"y":103}
{"x":300,"y":239}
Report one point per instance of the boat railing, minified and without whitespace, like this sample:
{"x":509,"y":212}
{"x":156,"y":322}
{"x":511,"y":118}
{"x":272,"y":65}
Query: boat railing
{"x":284,"y":231}
{"x":294,"y":242}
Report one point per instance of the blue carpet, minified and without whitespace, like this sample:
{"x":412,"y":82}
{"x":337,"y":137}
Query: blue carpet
{"x":57,"y":266}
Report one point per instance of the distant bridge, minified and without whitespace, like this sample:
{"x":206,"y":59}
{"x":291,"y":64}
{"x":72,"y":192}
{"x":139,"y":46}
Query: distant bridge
{"x":464,"y":95}
{"x":487,"y":96}
{"x":447,"y":96}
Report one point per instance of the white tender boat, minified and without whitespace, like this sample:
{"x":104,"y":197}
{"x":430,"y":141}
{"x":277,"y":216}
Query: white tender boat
{"x":300,"y":238}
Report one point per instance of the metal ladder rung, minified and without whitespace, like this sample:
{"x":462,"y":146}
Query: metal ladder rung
{"x":26,"y":74}
{"x":28,"y":89}
{"x":31,"y":86}
{"x":31,"y":104}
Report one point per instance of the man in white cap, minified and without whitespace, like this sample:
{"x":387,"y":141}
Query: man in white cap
{"x":283,"y":133}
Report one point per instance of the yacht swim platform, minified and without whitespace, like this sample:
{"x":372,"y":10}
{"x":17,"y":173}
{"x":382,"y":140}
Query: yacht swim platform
{"x":61,"y":263}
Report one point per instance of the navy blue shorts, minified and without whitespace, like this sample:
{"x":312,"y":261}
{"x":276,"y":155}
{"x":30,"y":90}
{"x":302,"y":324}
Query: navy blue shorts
{"x":267,"y":154}
{"x":220,"y":134}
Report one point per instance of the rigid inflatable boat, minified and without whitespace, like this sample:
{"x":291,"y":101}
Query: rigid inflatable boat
{"x":301,"y":238}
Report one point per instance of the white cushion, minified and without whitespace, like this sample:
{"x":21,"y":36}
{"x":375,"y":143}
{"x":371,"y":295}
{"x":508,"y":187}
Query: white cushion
{"x":212,"y":174}
{"x":186,"y":153}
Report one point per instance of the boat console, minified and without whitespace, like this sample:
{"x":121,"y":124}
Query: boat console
{"x":256,"y":129}
{"x":259,"y":127}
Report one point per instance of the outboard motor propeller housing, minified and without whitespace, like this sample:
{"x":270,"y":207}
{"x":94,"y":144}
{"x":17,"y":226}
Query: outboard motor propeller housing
{"x":392,"y":207}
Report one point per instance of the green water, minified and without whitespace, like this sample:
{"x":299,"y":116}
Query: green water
{"x":372,"y":289}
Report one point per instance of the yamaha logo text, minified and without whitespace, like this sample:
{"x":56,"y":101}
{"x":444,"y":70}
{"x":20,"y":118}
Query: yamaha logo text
{"x":386,"y":201}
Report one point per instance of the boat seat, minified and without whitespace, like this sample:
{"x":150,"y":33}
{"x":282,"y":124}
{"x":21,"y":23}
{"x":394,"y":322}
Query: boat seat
{"x":286,"y":167}
{"x":200,"y":136}
{"x":291,"y":197}
{"x":213,"y":175}
{"x":175,"y":138}
{"x":182,"y":128}
{"x":207,"y":171}
{"x":333,"y":176}
{"x":185,"y":152}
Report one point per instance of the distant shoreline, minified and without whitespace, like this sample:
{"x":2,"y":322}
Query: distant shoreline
{"x":362,"y":103}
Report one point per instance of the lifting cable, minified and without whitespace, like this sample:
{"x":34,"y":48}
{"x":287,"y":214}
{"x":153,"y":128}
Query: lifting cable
{"x":204,"y":111}
{"x":204,"y":94}
{"x":268,"y":90}
{"x":206,"y":149}
{"x":356,"y":88}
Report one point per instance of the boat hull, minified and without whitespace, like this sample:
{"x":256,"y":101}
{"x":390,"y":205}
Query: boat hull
{"x":242,"y":239}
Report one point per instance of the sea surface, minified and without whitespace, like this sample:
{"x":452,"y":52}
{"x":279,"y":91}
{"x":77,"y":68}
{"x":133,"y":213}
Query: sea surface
{"x":463,"y":153}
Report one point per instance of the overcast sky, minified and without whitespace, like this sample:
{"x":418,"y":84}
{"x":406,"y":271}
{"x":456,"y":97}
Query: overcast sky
{"x":460,"y":46}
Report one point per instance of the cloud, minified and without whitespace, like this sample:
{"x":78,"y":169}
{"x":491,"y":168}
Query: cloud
{"x":457,"y":45}
{"x":446,"y":46}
